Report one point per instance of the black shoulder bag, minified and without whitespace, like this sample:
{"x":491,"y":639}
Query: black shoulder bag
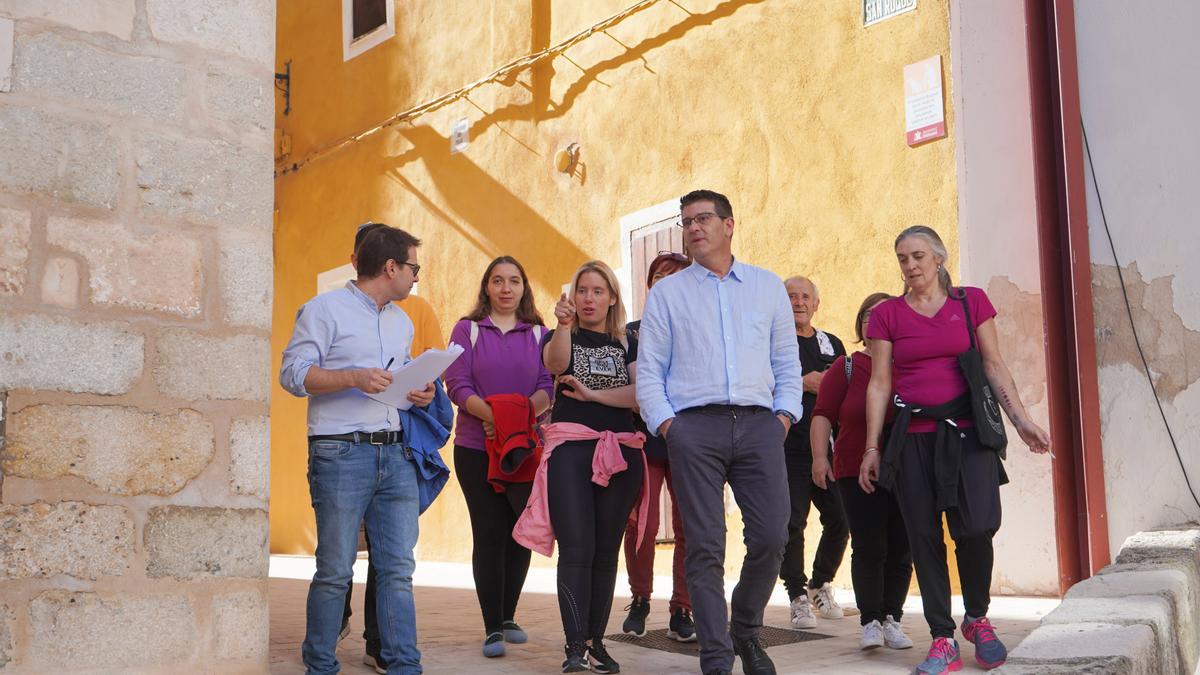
{"x":989,"y":425}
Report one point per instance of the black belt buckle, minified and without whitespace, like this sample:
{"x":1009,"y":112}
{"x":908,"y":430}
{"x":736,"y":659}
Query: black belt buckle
{"x":378,"y":437}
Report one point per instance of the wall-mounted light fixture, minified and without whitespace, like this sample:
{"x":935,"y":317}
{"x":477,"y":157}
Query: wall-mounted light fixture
{"x":567,"y":159}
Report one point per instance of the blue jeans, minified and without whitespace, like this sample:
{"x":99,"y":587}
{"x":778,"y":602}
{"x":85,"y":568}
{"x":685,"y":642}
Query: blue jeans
{"x":353,"y":483}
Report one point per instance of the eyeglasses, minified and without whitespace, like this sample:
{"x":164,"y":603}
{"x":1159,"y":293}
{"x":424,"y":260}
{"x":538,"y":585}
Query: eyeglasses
{"x":673,"y":255}
{"x":700,"y":218}
{"x":415,"y":267}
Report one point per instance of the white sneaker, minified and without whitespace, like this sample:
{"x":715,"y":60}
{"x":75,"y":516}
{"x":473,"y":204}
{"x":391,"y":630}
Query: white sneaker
{"x":893,"y":635}
{"x":872,"y":636}
{"x":802,"y":616}
{"x":373,"y":662}
{"x":822,"y":599}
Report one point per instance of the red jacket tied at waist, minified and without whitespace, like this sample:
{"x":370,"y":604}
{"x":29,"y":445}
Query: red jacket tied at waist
{"x":533,"y":529}
{"x":515,"y":450}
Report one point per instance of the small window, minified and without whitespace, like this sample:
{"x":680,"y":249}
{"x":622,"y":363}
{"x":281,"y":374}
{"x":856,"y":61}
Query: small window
{"x":365,"y":24}
{"x":368,"y":15}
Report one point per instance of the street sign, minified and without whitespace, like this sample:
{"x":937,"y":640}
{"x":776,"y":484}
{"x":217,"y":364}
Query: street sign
{"x":875,"y":11}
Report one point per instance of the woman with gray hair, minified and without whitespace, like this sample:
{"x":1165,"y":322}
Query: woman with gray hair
{"x":944,"y":452}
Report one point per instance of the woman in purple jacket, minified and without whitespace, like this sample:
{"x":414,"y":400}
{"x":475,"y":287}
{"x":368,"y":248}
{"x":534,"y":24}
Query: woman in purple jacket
{"x":501,"y":355}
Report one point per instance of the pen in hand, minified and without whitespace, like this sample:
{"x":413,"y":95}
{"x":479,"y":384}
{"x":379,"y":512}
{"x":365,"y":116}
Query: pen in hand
{"x":389,"y":363}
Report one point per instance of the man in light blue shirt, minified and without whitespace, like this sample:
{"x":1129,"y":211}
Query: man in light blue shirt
{"x":719,"y":378}
{"x":342,"y":346}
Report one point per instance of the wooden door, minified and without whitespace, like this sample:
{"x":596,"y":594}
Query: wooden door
{"x":646,"y":243}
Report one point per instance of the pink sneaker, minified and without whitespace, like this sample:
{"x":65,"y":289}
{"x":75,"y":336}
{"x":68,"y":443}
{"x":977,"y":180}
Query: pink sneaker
{"x":943,"y":658}
{"x":990,"y":652}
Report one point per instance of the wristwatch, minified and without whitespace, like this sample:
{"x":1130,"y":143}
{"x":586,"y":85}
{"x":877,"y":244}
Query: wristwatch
{"x":790,"y":416}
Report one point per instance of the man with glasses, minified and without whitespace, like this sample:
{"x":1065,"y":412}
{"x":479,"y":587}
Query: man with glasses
{"x":719,"y":378}
{"x":427,"y":334}
{"x":341,"y":347}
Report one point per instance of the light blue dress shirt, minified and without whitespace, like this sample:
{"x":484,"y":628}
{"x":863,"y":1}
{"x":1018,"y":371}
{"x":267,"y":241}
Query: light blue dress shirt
{"x":706,"y":339}
{"x":339,"y":330}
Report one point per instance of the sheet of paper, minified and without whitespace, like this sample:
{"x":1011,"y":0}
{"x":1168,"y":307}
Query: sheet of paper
{"x":416,"y":374}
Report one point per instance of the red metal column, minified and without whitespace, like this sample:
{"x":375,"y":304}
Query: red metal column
{"x":1074,"y":400}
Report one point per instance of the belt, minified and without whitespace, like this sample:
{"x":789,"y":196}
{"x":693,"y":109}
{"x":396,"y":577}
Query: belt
{"x":723,"y":409}
{"x":372,"y":437}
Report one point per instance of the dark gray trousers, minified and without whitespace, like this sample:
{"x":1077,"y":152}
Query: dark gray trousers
{"x":744,"y":447}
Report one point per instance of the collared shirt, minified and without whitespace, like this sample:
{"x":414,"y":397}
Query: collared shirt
{"x":707,"y":339}
{"x":340,"y":330}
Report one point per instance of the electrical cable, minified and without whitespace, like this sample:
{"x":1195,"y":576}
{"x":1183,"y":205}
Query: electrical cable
{"x":500,"y":74}
{"x":1129,"y":310}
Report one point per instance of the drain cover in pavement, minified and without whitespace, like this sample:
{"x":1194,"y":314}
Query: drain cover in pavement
{"x":657,"y":639}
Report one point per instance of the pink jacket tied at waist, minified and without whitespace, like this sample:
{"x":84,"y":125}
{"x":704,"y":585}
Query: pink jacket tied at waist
{"x":533,"y":529}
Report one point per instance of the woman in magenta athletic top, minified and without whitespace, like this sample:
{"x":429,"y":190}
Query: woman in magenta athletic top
{"x":934,"y":461}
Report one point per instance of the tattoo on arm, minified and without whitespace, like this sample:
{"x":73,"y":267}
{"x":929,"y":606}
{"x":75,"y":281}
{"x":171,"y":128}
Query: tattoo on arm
{"x":1009,"y":406}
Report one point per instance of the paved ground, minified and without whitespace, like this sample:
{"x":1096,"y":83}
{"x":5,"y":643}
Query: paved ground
{"x":451,"y":631}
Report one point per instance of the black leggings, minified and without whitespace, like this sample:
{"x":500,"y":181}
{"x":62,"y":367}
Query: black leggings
{"x":880,"y":562}
{"x":498,"y":562}
{"x":589,"y":523}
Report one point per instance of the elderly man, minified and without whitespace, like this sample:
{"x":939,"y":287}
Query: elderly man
{"x":818,"y":349}
{"x":719,"y":378}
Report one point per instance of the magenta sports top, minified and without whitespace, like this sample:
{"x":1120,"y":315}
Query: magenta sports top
{"x":925,"y":349}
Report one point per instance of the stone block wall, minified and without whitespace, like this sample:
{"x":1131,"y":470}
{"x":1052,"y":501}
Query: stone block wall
{"x":136,"y":198}
{"x":1139,"y":615}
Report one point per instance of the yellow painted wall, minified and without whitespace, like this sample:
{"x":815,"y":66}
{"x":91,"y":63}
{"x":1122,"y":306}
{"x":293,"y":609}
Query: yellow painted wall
{"x":791,"y":108}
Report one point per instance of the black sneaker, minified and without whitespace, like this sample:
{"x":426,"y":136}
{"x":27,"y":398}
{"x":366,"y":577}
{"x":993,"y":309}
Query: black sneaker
{"x":493,"y":645}
{"x":682,"y":628}
{"x":599,"y":658}
{"x":635,"y":623}
{"x":754,"y":658}
{"x":575,"y":661}
{"x":514,"y":633}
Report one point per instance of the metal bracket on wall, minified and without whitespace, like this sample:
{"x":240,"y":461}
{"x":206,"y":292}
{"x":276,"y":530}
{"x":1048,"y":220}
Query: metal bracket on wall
{"x":286,"y":79}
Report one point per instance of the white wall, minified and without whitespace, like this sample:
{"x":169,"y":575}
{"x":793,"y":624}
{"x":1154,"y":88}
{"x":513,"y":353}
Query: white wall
{"x":1139,"y":75}
{"x":998,"y":242}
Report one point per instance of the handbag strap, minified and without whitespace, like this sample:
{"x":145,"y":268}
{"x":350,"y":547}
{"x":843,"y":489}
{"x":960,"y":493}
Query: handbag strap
{"x":967,"y":311}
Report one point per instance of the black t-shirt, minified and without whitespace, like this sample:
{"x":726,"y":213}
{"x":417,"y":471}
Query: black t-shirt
{"x":599,"y":362}
{"x":656,"y":447}
{"x":816,"y":355}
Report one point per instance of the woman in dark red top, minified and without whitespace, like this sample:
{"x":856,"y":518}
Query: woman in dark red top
{"x":880,"y":564}
{"x":937,"y":463}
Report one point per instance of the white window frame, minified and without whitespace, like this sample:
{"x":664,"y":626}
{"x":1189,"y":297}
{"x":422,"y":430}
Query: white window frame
{"x":351,"y":47}
{"x":662,"y":214}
